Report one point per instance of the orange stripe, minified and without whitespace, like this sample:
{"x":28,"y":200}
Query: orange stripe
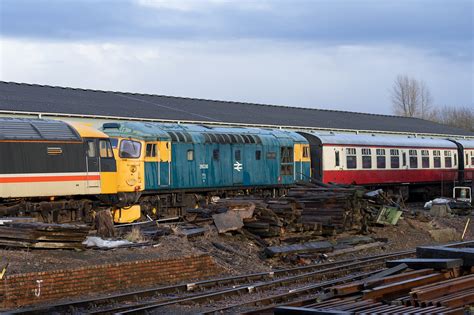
{"x":31,"y":179}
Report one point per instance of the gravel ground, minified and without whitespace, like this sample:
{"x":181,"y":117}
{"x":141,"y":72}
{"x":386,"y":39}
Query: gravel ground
{"x":242,"y":256}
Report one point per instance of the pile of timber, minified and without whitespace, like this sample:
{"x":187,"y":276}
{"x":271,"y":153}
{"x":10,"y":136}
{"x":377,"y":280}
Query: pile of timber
{"x":327,"y":206}
{"x":42,"y":235}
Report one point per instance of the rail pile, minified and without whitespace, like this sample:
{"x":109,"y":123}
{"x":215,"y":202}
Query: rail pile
{"x":439,"y":281}
{"x":42,"y":235}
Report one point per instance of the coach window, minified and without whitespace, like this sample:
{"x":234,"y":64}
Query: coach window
{"x":455,"y":159}
{"x":381,"y":161}
{"x":366,"y":158}
{"x":215,"y":154}
{"x":425,"y":159}
{"x":472,"y":158}
{"x":404,"y":158}
{"x":394,"y":158}
{"x":105,"y":149}
{"x":130,"y":149}
{"x":447,"y":159}
{"x":467,"y":159}
{"x":258,"y":155}
{"x":190,"y":155}
{"x":413,"y":158}
{"x":336,"y":158}
{"x":351,"y":158}
{"x":436,"y":159}
{"x":150,"y":150}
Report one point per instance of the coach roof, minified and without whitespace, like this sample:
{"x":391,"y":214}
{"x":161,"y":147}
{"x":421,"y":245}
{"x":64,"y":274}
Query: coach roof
{"x":384,"y":141}
{"x":21,"y":97}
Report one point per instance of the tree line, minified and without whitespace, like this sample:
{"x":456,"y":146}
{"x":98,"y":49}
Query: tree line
{"x":412,"y":98}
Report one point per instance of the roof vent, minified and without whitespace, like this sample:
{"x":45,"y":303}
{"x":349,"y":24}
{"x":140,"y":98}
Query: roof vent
{"x":111,"y":126}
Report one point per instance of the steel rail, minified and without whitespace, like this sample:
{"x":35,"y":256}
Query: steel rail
{"x":91,"y":303}
{"x":352,"y":267}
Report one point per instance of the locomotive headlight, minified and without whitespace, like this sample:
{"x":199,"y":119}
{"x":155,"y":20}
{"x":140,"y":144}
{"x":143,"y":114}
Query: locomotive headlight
{"x":133,"y":168}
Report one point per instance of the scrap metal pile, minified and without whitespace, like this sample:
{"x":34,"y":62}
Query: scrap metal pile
{"x":439,"y":280}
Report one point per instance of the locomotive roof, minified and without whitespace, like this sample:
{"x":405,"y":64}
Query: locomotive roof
{"x":18,"y":98}
{"x":391,"y":141}
{"x":167,"y":131}
{"x":36,"y":129}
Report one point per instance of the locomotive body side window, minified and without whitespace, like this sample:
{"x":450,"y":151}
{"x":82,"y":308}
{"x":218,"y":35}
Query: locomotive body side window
{"x":413,"y":158}
{"x":437,"y":159}
{"x":215,"y":154}
{"x":394,"y":158}
{"x":366,"y":158}
{"x":237,"y":155}
{"x":351,"y":158}
{"x":425,"y":159}
{"x":190,"y":155}
{"x":381,"y":161}
{"x":130,"y":149}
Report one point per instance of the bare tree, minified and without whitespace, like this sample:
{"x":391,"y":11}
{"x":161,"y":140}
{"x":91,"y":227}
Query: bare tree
{"x":461,"y":117}
{"x":425,"y":101}
{"x":405,"y":96}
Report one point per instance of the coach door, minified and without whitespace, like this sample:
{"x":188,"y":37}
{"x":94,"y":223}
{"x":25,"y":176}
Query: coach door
{"x":237,"y":165}
{"x":92,"y":164}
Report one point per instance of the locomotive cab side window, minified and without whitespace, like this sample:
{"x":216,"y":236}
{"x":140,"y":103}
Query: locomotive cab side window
{"x":351,"y":158}
{"x":237,"y":155}
{"x":150,"y":150}
{"x":105,"y":149}
{"x":381,"y":161}
{"x":258,"y":155}
{"x":91,"y":150}
{"x":286,"y":161}
{"x":394,"y":158}
{"x":306,"y":152}
{"x":130,"y":149}
{"x":215,"y":154}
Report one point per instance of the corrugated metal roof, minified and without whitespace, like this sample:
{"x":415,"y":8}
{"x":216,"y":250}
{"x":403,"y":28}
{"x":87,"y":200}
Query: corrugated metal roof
{"x":48,"y":99}
{"x":36,"y":129}
{"x":152,"y":131}
{"x":392,"y":141}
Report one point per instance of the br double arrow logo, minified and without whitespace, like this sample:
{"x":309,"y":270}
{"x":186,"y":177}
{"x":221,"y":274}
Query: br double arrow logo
{"x":237,"y":166}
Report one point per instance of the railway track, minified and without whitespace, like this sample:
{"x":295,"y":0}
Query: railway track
{"x":223,"y":288}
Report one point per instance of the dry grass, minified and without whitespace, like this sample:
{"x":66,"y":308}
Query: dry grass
{"x":135,"y":236}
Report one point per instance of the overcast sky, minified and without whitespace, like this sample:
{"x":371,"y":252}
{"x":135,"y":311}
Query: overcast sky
{"x":323,"y":53}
